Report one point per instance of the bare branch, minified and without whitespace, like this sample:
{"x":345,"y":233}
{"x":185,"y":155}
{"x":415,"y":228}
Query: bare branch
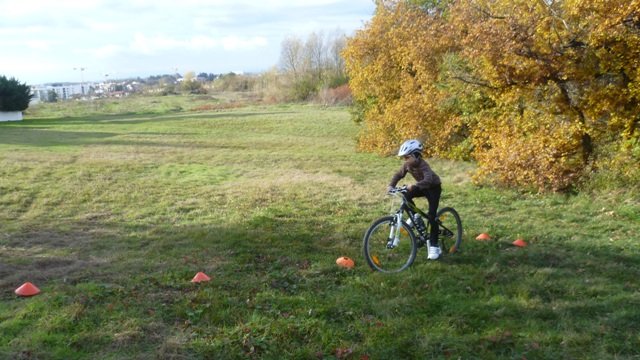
{"x":554,"y":13}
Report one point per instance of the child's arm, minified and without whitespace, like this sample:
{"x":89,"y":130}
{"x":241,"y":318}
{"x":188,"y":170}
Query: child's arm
{"x":400,"y":174}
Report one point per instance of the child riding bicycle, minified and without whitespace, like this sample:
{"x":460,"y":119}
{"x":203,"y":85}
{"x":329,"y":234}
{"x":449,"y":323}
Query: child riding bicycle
{"x":427,"y":185}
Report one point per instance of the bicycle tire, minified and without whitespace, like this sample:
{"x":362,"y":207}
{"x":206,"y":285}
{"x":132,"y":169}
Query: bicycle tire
{"x":378,"y":256}
{"x":449,"y":230}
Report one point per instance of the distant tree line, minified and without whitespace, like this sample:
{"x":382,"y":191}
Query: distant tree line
{"x":310,"y":69}
{"x":312,"y":64}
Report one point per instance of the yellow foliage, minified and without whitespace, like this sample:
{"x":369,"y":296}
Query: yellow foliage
{"x":394,"y":71}
{"x":537,"y":87}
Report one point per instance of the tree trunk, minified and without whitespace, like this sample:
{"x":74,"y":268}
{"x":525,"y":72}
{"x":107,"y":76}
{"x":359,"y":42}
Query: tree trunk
{"x":586,"y":141}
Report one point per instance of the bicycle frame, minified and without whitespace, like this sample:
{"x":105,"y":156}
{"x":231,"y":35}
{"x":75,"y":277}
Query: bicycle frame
{"x":411,"y":209}
{"x":391,"y":242}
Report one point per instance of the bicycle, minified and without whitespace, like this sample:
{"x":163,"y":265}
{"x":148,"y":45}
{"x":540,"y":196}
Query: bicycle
{"x":390,"y":244}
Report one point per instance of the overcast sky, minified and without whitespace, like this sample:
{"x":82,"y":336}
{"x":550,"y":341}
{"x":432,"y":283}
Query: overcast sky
{"x":43,"y":41}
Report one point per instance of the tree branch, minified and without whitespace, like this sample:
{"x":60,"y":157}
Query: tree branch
{"x":475,"y":82}
{"x":488,"y":14}
{"x":555,"y":15}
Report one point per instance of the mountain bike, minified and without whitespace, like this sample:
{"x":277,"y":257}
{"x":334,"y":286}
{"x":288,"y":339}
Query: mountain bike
{"x":391,"y":243}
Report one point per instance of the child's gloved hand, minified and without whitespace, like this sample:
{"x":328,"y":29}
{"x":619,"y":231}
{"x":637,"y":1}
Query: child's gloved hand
{"x":390,"y":189}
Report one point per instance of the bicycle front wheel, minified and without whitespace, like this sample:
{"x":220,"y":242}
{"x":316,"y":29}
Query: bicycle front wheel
{"x":382,"y":257}
{"x":449,"y":230}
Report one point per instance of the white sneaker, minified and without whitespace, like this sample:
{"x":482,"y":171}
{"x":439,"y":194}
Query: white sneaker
{"x":434,"y":252}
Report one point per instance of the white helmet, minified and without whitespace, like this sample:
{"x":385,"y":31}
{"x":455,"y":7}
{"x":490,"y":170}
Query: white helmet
{"x":410,"y":147}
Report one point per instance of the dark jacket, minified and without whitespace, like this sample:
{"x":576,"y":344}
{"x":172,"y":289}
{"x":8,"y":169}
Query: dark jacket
{"x":425,"y":177}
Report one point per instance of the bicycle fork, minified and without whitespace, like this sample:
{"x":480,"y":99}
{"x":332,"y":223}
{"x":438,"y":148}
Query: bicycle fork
{"x":394,"y":232}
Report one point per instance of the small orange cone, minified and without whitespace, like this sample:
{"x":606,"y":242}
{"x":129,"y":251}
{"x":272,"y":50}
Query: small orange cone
{"x":200,"y":277}
{"x":27,"y":289}
{"x":345,"y":262}
{"x":483,"y":237}
{"x":520,"y":243}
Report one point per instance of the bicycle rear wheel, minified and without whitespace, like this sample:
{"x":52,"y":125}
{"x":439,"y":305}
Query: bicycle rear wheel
{"x":449,"y":230}
{"x":381,"y":257}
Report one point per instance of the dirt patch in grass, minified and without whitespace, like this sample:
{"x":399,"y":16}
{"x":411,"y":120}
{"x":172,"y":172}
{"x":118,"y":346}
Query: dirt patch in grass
{"x":42,"y":270}
{"x":44,"y":255}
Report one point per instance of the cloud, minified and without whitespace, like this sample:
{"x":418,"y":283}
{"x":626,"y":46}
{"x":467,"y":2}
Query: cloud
{"x":33,"y":11}
{"x":99,"y":26}
{"x":29,"y":65}
{"x":106,"y":51}
{"x":137,"y":37}
{"x":237,"y":43}
{"x":143,"y":44}
{"x":41,"y":45}
{"x":153,"y":45}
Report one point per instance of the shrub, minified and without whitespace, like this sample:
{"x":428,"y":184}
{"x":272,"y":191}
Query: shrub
{"x":14,"y":96}
{"x":340,"y":95}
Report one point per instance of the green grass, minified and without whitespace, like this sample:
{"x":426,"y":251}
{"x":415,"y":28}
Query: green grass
{"x":112,"y":215}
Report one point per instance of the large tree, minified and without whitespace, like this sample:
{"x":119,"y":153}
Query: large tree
{"x":539,"y":92}
{"x":393,"y":66}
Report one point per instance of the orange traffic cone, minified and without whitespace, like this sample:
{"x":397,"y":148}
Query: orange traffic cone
{"x":483,"y":237}
{"x":345,"y":262}
{"x":520,"y":243}
{"x":200,"y":277}
{"x":27,"y":289}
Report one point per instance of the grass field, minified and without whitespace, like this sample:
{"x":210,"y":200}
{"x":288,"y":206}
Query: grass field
{"x":111,"y":213}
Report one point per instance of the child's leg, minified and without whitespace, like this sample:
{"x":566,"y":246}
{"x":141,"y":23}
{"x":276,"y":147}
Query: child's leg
{"x":433,"y":197}
{"x":413,"y":193}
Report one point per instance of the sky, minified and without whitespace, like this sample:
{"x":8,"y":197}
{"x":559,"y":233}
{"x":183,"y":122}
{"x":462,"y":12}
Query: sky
{"x":45,"y":41}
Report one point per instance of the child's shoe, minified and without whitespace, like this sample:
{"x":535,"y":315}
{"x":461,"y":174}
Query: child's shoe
{"x":434,"y":252}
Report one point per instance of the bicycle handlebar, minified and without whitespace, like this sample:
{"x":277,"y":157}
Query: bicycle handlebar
{"x":398,"y":189}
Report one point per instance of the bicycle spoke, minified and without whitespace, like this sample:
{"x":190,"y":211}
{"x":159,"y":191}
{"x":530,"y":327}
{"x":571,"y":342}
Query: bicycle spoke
{"x":380,"y":253}
{"x":450,"y":230}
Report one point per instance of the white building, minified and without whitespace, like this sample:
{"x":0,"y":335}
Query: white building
{"x":64,"y":91}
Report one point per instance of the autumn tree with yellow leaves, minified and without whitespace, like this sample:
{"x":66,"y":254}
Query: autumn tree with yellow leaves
{"x":541,"y":94}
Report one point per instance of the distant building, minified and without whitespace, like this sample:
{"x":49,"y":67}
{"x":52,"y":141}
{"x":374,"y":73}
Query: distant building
{"x":64,"y":91}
